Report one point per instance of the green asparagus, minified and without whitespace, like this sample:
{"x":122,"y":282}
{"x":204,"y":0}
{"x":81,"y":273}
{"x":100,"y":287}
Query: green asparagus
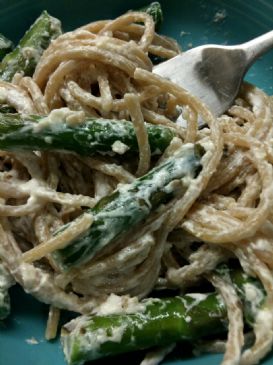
{"x":6,"y":46}
{"x":159,"y":322}
{"x":154,"y":9}
{"x":26,"y":55}
{"x":243,"y":285}
{"x":103,"y":136}
{"x":131,"y":204}
{"x":5,"y":108}
{"x":5,"y":283}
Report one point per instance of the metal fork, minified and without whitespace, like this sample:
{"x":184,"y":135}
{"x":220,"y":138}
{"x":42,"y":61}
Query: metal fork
{"x":214,"y":73}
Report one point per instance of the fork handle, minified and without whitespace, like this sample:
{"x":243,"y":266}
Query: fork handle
{"x":258,"y":46}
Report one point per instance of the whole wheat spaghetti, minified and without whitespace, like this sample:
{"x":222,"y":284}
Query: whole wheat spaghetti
{"x":103,"y":69}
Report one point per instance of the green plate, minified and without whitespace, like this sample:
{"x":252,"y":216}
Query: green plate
{"x":191,"y":22}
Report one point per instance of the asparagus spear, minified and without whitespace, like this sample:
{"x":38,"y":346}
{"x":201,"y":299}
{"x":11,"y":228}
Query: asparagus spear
{"x":244,"y":285}
{"x":6,"y":46}
{"x":131,"y":204}
{"x":5,"y":283}
{"x":154,"y":9}
{"x":5,"y":108}
{"x":26,"y":55}
{"x":161,"y":322}
{"x":92,"y":136}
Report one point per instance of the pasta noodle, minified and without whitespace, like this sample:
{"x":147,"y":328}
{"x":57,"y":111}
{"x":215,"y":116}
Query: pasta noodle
{"x":103,"y":69}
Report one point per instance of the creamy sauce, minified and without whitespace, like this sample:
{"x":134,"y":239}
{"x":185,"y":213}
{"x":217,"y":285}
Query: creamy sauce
{"x":120,"y":147}
{"x":254,"y":296}
{"x":219,"y":16}
{"x":115,"y":304}
{"x":55,"y":25}
{"x":6,"y":280}
{"x":32,"y":341}
{"x":198,"y":297}
{"x":57,"y":118}
{"x":30,"y":52}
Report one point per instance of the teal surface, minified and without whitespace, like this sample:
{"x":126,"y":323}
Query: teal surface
{"x":191,"y":22}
